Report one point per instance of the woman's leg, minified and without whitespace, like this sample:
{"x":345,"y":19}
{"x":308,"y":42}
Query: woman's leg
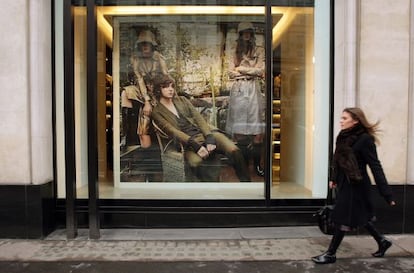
{"x":257,"y":154}
{"x":143,"y":129}
{"x":226,"y":146}
{"x":125,"y":126}
{"x":383,"y":243}
{"x":330,"y":255}
{"x":244,"y":144}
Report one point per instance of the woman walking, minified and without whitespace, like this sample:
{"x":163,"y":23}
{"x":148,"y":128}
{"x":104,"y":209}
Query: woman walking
{"x":355,"y":149}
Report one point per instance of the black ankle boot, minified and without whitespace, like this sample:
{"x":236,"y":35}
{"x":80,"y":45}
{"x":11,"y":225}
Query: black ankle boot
{"x":382,"y":248}
{"x":259,"y":170}
{"x":245,"y":146}
{"x":329,"y":256}
{"x":324,"y":258}
{"x":257,"y":154}
{"x":383,"y":243}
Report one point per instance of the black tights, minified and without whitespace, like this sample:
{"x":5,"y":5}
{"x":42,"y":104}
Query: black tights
{"x":374,"y":233}
{"x":336,"y":240}
{"x":339,"y":235}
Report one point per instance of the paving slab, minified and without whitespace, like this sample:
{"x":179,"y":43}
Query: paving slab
{"x":167,"y":245}
{"x":195,"y":233}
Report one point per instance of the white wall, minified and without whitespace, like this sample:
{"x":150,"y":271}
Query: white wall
{"x":383,"y":82}
{"x":372,"y":71}
{"x":25,"y":99}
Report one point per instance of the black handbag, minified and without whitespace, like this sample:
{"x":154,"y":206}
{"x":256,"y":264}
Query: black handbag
{"x":324,"y":218}
{"x":324,"y":215}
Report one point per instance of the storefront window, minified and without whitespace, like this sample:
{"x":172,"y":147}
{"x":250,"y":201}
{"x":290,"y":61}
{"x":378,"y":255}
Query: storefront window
{"x":293,"y":52}
{"x":209,"y":141}
{"x":197,"y":52}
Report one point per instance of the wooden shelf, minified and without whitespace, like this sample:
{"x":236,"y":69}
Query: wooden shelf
{"x":276,"y":120}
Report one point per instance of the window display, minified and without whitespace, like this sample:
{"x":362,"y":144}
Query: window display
{"x":218,"y":58}
{"x":218,"y":66}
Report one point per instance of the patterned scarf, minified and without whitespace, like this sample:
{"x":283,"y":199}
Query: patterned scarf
{"x":344,"y":156}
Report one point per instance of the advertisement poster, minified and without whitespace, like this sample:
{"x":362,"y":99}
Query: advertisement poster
{"x":199,"y":56}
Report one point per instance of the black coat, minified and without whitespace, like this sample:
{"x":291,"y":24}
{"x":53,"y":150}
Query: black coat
{"x":354,"y":206}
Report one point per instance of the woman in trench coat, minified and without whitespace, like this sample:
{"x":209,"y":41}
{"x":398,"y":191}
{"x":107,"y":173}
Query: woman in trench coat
{"x":355,"y":149}
{"x":246,"y":113}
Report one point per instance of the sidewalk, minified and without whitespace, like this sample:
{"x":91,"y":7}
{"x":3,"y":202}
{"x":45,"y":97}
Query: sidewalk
{"x":188,"y":245}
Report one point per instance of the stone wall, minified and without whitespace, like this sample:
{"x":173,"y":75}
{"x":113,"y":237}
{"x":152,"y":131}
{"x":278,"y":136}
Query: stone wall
{"x":372,"y":71}
{"x":26,"y":148}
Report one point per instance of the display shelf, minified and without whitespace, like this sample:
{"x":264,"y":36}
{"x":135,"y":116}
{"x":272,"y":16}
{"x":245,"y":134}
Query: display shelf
{"x":276,"y":124}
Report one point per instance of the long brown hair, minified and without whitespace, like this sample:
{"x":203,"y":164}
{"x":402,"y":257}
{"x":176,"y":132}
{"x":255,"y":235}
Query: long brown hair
{"x":359,"y":115}
{"x":244,"y":47}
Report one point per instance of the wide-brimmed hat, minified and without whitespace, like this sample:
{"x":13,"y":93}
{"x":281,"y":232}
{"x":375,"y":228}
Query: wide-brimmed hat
{"x":243,"y":26}
{"x":146,"y":36}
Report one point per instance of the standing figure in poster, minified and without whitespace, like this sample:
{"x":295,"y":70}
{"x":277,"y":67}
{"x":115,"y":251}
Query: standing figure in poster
{"x":246,"y":115}
{"x":137,"y":98}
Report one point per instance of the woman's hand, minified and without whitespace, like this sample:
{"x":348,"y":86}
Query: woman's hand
{"x":211,"y":147}
{"x":203,"y":152}
{"x":147,"y":108}
{"x":392,"y":203}
{"x":332,"y":185}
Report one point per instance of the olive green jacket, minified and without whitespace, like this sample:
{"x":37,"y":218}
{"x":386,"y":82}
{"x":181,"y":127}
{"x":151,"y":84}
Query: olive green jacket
{"x":167,"y":121}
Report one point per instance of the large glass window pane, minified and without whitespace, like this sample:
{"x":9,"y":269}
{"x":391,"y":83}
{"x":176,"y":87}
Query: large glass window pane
{"x":197,"y":52}
{"x":80,"y":108}
{"x":293,"y":51}
{"x":59,"y":101}
{"x":197,"y":47}
{"x":300,"y":101}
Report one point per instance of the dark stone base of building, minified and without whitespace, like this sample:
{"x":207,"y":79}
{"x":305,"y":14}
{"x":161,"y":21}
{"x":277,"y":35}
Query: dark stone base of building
{"x":31,"y":211}
{"x":236,"y":213}
{"x":27,"y":211}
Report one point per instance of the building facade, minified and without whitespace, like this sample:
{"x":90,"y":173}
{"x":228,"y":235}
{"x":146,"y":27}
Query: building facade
{"x":75,"y":78}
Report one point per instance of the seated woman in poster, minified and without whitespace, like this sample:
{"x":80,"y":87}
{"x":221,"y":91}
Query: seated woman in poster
{"x":177,"y":117}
